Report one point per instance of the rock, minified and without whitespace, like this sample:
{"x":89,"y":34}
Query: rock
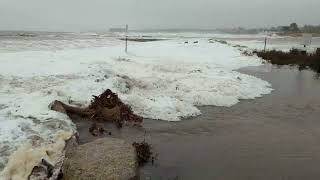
{"x":104,"y":158}
{"x":43,"y":171}
{"x":47,"y":171}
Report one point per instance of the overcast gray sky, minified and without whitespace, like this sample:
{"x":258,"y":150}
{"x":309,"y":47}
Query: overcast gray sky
{"x":81,"y":15}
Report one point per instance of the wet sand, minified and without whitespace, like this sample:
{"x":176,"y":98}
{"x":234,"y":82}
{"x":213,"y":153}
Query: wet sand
{"x":269,"y":138}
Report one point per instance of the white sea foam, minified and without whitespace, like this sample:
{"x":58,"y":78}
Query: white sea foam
{"x":164,"y":80}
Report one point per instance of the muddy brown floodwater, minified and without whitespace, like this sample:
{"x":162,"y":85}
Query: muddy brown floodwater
{"x":276,"y":137}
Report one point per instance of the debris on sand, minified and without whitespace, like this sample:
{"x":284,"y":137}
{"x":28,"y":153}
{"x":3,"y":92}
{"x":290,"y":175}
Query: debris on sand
{"x":96,"y":129}
{"x":105,"y":107}
{"x":141,"y":39}
{"x":108,"y":106}
{"x":143,"y":151}
{"x":247,"y":53}
{"x":221,"y":41}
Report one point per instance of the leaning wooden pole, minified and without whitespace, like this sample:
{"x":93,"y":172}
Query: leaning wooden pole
{"x":265,"y":44}
{"x":126,"y":49}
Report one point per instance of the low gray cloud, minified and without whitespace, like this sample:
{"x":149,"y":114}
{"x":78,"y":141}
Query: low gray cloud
{"x":80,"y":15}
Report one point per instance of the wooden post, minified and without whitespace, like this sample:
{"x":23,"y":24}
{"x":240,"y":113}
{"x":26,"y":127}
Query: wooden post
{"x":265,"y":44}
{"x":126,"y":38}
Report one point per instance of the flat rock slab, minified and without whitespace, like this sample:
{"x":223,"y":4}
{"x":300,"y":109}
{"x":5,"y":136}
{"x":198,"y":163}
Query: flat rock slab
{"x":104,"y":158}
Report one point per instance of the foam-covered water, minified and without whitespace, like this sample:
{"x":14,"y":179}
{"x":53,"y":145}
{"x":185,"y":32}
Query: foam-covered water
{"x":164,"y":80}
{"x":276,"y":43}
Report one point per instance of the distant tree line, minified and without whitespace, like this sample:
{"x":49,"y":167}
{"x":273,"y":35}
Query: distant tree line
{"x":294,"y":28}
{"x":291,"y":28}
{"x":240,"y":30}
{"x":311,"y":29}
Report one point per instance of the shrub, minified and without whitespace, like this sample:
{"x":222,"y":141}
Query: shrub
{"x":293,"y":57}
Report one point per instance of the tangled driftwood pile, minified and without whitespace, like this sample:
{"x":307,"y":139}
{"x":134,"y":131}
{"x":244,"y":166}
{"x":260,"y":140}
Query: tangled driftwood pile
{"x":105,"y":107}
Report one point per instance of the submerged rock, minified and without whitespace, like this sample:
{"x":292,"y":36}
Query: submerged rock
{"x":104,"y":158}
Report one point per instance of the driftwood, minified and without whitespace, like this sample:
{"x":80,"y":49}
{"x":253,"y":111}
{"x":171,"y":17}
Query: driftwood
{"x":105,"y":107}
{"x":68,"y":109}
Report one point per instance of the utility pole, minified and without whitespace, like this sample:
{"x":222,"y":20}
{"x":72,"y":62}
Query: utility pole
{"x":265,"y":44}
{"x":126,"y":38}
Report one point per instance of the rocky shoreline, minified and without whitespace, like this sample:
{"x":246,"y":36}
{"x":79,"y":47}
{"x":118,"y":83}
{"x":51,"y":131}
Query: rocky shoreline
{"x":110,"y":158}
{"x":93,"y":152}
